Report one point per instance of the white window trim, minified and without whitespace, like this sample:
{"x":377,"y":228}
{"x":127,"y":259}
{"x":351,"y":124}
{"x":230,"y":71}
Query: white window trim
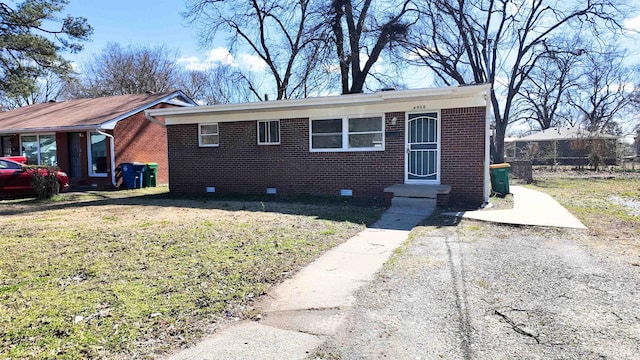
{"x":436,"y":181}
{"x":200,"y":134}
{"x":345,"y":134}
{"x":37,"y":135}
{"x":268,"y":132}
{"x":90,"y":157}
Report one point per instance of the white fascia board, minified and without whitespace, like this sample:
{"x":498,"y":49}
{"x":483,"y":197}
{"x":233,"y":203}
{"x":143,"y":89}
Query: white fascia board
{"x":49,"y":129}
{"x":358,"y":104}
{"x":324,"y":112}
{"x":111,"y":124}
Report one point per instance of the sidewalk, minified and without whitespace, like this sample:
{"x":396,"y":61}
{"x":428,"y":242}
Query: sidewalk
{"x":299,"y":313}
{"x":530,"y":207}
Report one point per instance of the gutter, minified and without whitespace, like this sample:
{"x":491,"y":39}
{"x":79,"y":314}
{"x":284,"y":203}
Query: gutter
{"x":326,"y":101}
{"x":487,"y":148}
{"x":152,"y":119}
{"x":113,"y":155}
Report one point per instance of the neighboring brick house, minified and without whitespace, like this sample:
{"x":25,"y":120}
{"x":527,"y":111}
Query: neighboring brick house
{"x":89,"y":138}
{"x":565,"y":145}
{"x":354,"y":145}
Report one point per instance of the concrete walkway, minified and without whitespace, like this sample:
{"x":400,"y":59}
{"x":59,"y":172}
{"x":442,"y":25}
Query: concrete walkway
{"x":530,"y":207}
{"x":301,"y":312}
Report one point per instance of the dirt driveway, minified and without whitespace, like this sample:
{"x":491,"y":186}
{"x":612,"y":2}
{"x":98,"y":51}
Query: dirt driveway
{"x":485,"y":291}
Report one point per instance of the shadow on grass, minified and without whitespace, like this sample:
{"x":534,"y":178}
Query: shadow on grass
{"x":327,"y":208}
{"x":439,"y":220}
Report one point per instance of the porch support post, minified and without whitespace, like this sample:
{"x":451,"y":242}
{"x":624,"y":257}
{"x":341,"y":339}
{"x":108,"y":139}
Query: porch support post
{"x":487,"y":149}
{"x":113,"y":156}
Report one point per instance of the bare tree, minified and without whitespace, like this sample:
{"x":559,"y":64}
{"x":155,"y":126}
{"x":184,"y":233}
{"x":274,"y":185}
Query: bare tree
{"x":47,"y":85}
{"x":544,"y":93}
{"x":500,"y":42}
{"x":218,"y":85}
{"x":604,"y":90}
{"x":361,"y":30}
{"x":283,"y":34}
{"x":131,"y":70}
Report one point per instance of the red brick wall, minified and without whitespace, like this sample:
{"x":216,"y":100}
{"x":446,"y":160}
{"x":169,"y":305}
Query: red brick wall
{"x":140,"y":140}
{"x":462,"y":146}
{"x":240,"y":165}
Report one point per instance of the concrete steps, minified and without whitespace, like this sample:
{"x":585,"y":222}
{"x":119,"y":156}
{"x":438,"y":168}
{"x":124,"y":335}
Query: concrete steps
{"x":417,"y":197}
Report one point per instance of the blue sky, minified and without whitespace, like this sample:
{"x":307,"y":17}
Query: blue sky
{"x":135,"y":22}
{"x":151,"y":23}
{"x":158,"y":22}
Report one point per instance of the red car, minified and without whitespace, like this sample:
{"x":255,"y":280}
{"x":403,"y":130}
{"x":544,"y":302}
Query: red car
{"x":15,"y":178}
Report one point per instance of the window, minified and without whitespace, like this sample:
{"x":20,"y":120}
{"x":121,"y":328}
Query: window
{"x":269,"y":132}
{"x":326,"y":134}
{"x":208,"y":134}
{"x":40,"y":149}
{"x":6,"y":145}
{"x":347,"y":134}
{"x":6,"y":165}
{"x":97,"y":154}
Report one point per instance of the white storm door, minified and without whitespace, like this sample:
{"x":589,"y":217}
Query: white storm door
{"x":422,"y":165}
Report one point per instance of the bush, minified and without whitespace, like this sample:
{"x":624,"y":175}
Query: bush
{"x":44,"y":181}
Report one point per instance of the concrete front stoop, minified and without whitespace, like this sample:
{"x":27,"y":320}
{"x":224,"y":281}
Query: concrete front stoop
{"x":413,"y":196}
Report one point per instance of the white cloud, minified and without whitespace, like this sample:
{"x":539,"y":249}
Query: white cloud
{"x":222,"y":56}
{"x":214,"y":58}
{"x":632,"y":24}
{"x":193,"y":63}
{"x":252,"y":62}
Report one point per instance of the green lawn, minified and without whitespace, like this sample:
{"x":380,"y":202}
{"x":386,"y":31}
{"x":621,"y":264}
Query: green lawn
{"x":135,"y":273}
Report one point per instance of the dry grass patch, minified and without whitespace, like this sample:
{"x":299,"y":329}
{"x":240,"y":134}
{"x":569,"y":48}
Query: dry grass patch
{"x":135,"y":273}
{"x":611,"y":224}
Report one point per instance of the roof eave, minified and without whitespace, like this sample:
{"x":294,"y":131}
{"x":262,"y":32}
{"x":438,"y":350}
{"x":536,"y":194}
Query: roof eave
{"x":111,"y":124}
{"x":50,"y":129}
{"x":327,"y":101}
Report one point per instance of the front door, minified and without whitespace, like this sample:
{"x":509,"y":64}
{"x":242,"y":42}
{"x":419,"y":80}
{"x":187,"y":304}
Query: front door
{"x":75,"y":156}
{"x":422,"y":149}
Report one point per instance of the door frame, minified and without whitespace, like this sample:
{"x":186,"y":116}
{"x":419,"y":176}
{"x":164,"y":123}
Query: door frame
{"x":438,"y":148}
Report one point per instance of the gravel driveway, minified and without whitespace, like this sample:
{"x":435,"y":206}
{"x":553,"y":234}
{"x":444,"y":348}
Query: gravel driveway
{"x":483,"y":291}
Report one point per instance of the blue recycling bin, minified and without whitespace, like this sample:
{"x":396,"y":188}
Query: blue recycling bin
{"x":132,"y":174}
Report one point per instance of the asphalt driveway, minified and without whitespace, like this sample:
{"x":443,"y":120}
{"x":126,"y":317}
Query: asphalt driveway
{"x":487,"y":291}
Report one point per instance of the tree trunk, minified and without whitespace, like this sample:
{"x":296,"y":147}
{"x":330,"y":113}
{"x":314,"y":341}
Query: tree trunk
{"x":498,"y":142}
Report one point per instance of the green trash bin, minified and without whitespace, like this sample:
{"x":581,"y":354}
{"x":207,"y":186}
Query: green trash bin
{"x":500,"y":178}
{"x":150,"y":175}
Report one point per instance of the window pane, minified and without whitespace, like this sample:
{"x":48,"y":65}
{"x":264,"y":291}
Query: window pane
{"x":365,"y":140}
{"x":48,"y":153}
{"x":262,"y":132}
{"x":30,"y":149}
{"x":98,"y":154}
{"x":209,"y":129}
{"x":8,"y":165}
{"x":274,"y":131}
{"x":365,"y":124}
{"x":6,"y":146}
{"x":210,"y":140}
{"x":326,"y":141}
{"x":326,"y":126}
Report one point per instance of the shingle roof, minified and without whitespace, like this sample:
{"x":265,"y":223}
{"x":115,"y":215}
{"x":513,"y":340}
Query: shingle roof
{"x":82,"y":113}
{"x":565,"y":133}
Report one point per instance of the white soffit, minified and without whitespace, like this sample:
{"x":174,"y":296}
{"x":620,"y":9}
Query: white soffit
{"x":323,"y":107}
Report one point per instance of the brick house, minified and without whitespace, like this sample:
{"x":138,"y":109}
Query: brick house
{"x":88,"y":138}
{"x":354,"y":145}
{"x":565,"y":145}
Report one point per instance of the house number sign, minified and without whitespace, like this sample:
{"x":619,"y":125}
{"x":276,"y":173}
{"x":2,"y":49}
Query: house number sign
{"x":420,"y":107}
